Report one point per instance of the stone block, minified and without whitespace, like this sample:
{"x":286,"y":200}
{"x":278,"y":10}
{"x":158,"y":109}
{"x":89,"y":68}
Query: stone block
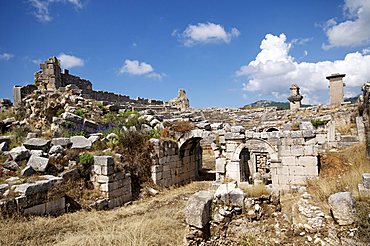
{"x":296,"y":170}
{"x":39,"y":164}
{"x":230,"y":147}
{"x":80,"y":142}
{"x":103,"y":178}
{"x":232,"y":167}
{"x":55,"y":207}
{"x":37,"y":144}
{"x":64,"y":142}
{"x":312,"y":171}
{"x":297,"y":150}
{"x":284,"y":179}
{"x":35,"y":210}
{"x":342,"y":206}
{"x":297,"y":180}
{"x":198,"y":209}
{"x":283,"y":170}
{"x":289,"y":161}
{"x":19,"y":153}
{"x":220,"y":165}
{"x":366,"y":180}
{"x":308,"y":134}
{"x":296,"y":134}
{"x":307,"y":161}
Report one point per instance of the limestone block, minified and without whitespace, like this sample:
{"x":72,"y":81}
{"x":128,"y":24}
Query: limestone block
{"x":71,"y":174}
{"x":156,"y":168}
{"x":166,"y":174}
{"x":310,"y":150}
{"x":264,"y":135}
{"x":72,"y":117}
{"x":296,"y":170}
{"x":311,"y":171}
{"x":80,"y":142}
{"x":37,"y":144}
{"x":56,"y":149}
{"x":310,"y":141}
{"x":220,"y":165}
{"x":283,"y":170}
{"x":198,"y":209}
{"x":284,"y":179}
{"x":55,"y":207}
{"x":342,"y":206}
{"x":249,"y":134}
{"x":366,"y":180}
{"x":307,"y":161}
{"x":321,"y":138}
{"x":19,"y":153}
{"x":289,"y":161}
{"x":296,"y":134}
{"x":232,"y":167}
{"x":308,"y":134}
{"x":35,"y":210}
{"x":39,"y":164}
{"x":103,"y":178}
{"x":297,"y":180}
{"x":230,"y":147}
{"x":298,"y":141}
{"x":107,"y":170}
{"x":64,"y":142}
{"x":256,"y":135}
{"x":237,"y":129}
{"x":285,"y":150}
{"x":297,"y":150}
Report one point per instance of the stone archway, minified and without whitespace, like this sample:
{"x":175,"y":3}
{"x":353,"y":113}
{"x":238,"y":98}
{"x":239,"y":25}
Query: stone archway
{"x":190,"y":150}
{"x":251,"y":162}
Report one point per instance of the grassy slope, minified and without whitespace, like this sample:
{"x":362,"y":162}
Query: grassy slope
{"x":154,"y":221}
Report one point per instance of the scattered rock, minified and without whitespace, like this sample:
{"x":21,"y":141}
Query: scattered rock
{"x":19,"y":153}
{"x":39,"y":164}
{"x":80,"y":142}
{"x":198,"y":209}
{"x":342,"y":206}
{"x":37,"y":144}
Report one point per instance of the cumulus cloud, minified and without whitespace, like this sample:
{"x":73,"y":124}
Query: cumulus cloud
{"x":135,"y":67}
{"x":353,"y":31}
{"x":42,"y":7}
{"x":69,"y":61}
{"x":274,"y":70}
{"x":202,"y":33}
{"x":6,"y":56}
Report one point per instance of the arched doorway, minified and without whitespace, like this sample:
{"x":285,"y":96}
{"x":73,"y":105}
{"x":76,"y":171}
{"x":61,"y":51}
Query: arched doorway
{"x":254,"y":158}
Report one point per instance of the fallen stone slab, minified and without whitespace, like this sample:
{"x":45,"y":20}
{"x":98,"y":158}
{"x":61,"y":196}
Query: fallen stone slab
{"x":64,"y":142}
{"x":19,"y":153}
{"x":27,"y":171}
{"x":39,"y":164}
{"x":56,"y":149}
{"x":3,"y":146}
{"x":73,"y":118}
{"x":342,"y":206}
{"x":198,"y":209}
{"x":11,"y":165}
{"x":5,"y":139}
{"x":80,"y":142}
{"x":37,"y":144}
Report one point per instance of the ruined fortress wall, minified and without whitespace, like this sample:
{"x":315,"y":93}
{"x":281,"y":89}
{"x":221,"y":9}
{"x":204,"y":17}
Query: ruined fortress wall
{"x":83,"y":84}
{"x":172,"y":165}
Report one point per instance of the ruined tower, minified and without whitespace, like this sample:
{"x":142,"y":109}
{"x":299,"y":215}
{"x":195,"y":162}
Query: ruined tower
{"x":50,"y":77}
{"x":336,"y":88}
{"x":295,"y":98}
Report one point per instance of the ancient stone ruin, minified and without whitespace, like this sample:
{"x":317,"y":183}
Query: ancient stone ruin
{"x":75,"y":133}
{"x":336,"y":88}
{"x":295,"y":98}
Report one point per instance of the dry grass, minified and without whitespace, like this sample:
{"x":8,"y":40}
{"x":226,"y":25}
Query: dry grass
{"x":340,"y":171}
{"x":182,"y":126}
{"x":153,"y":221}
{"x":347,"y":129}
{"x":256,"y":190}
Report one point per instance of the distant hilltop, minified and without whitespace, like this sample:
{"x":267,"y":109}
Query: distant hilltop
{"x":268,"y":103}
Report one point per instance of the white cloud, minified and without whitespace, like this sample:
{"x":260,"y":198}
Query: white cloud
{"x":135,"y":67}
{"x":6,"y":56}
{"x":205,"y":33}
{"x":42,"y":7}
{"x":274,"y":70}
{"x":69,"y":61}
{"x":355,"y":30}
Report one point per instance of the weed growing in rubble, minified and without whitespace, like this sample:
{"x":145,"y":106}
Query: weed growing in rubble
{"x":86,"y":159}
{"x":154,"y":133}
{"x":318,"y":122}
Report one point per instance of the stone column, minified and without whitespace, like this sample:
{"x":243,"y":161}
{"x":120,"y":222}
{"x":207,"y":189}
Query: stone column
{"x":336,"y":89}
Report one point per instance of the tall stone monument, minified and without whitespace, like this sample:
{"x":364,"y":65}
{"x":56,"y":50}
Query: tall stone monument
{"x":336,"y":89}
{"x":181,"y":101}
{"x":295,"y":98}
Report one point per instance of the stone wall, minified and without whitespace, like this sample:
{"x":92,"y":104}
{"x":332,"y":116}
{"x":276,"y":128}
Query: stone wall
{"x":115,"y":185}
{"x":173,"y":165}
{"x":38,"y":198}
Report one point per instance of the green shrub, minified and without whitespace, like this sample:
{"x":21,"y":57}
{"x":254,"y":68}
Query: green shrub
{"x":60,"y":112}
{"x":101,"y":106}
{"x":86,"y":159}
{"x":318,"y":122}
{"x":154,"y":133}
{"x":80,"y":112}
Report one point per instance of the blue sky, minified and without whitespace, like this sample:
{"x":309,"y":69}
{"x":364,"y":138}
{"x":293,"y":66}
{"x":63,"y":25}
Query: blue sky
{"x":223,"y":53}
